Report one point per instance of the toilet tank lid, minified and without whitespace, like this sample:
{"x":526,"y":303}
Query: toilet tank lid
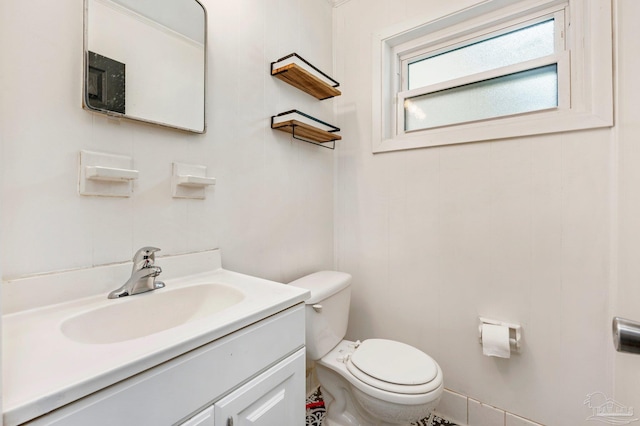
{"x":322,"y":284}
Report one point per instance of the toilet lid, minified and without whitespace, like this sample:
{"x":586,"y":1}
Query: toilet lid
{"x":394,"y":362}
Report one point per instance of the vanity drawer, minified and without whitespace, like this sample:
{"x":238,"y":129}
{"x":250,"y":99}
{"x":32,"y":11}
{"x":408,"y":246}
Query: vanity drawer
{"x":172,"y":391}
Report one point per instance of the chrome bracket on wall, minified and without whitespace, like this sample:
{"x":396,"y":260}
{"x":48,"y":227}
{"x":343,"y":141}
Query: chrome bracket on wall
{"x":626,"y":335}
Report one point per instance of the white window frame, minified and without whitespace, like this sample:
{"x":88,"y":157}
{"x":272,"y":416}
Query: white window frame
{"x":406,"y":53}
{"x":583,"y":55}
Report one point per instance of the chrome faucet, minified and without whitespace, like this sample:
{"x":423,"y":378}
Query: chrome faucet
{"x":143,"y":275}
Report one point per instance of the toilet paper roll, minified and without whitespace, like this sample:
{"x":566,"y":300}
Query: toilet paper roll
{"x":495,"y":341}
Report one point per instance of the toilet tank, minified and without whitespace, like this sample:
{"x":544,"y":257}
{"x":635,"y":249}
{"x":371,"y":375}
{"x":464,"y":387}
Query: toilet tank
{"x":326,"y":311}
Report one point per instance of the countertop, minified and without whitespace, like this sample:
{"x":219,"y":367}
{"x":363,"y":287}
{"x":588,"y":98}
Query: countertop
{"x":43,"y":370}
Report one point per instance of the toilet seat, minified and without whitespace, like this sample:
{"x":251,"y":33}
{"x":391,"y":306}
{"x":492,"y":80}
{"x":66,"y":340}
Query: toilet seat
{"x":393,"y":367}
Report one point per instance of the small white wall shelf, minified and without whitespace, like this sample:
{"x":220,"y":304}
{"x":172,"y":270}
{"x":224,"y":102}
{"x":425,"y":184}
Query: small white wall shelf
{"x":196,"y":181}
{"x":112,"y":174}
{"x":106,"y":175}
{"x":190,"y":181}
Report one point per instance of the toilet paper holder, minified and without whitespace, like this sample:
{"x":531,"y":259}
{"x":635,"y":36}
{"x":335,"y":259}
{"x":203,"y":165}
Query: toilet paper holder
{"x":515,"y":332}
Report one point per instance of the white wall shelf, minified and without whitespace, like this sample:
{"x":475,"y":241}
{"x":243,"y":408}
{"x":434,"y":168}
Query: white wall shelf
{"x":190,"y":181}
{"x":106,"y":175}
{"x":195,"y":181}
{"x":110,"y":173}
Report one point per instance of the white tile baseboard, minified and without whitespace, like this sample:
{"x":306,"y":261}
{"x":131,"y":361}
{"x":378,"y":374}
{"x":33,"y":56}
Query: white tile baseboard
{"x":465,"y":411}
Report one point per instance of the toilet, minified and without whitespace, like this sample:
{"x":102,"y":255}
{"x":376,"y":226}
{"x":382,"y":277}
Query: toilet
{"x":376,"y":382}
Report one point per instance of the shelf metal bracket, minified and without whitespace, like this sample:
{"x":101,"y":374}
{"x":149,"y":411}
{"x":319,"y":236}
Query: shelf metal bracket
{"x":293,"y":134}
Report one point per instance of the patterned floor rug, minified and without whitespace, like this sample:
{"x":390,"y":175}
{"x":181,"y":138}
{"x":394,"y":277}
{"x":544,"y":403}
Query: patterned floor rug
{"x":316,"y":411}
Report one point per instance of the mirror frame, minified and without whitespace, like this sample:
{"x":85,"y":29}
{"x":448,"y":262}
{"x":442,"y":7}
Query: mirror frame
{"x":85,"y":78}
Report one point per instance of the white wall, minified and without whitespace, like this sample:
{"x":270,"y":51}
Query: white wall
{"x":3,"y":120}
{"x":517,"y":230}
{"x":627,"y":300}
{"x":271,"y":211}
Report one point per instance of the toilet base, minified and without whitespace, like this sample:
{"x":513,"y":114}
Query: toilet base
{"x":347,"y":405}
{"x":342,"y":410}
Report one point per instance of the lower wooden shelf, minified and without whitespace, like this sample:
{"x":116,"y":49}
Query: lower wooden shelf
{"x":306,"y":128}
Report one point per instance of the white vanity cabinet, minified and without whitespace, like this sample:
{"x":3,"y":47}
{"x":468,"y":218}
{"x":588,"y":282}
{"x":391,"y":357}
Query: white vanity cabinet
{"x":253,"y":376}
{"x":274,"y":398}
{"x":205,"y":418}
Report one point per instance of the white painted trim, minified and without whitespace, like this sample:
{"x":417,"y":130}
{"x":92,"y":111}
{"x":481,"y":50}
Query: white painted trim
{"x":591,"y":96}
{"x":465,"y":33}
{"x":519,"y":125}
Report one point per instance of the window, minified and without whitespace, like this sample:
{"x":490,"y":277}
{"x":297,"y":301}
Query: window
{"x":454,"y":86}
{"x":519,"y":92}
{"x":496,"y":70}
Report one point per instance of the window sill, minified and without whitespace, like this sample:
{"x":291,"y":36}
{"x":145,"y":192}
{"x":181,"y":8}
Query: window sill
{"x":536,"y":123}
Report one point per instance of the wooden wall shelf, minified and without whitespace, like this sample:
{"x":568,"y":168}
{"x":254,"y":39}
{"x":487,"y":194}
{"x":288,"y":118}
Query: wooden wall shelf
{"x":300,"y":73}
{"x":306,"y":128}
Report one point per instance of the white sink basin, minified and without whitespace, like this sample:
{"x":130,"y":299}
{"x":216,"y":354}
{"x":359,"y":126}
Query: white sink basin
{"x":145,"y":314}
{"x":63,"y":340}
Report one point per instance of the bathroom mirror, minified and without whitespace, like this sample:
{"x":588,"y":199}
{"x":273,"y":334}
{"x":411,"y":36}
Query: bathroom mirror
{"x":145,"y":60}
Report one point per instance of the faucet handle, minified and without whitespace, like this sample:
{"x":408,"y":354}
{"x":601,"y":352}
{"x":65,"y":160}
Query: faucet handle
{"x":144,"y":258}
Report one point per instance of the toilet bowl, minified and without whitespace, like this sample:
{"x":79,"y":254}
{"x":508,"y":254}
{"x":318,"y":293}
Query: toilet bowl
{"x":374,"y":382}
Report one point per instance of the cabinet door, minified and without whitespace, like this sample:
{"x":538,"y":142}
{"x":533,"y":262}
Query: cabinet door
{"x":205,"y":418}
{"x":274,"y":398}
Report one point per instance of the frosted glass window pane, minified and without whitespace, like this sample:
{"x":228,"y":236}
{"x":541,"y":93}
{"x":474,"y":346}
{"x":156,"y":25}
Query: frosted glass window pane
{"x":525,"y":91}
{"x":518,"y":46}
